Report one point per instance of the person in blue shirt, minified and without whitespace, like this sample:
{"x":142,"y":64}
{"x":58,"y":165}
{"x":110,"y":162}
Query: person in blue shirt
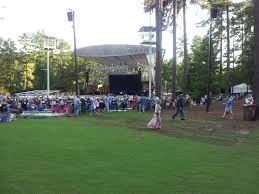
{"x":124,"y":103}
{"x":228,"y":107}
{"x":142,"y":104}
{"x":77,"y":105}
{"x":114,"y":104}
{"x":107,"y":102}
{"x":92,"y":108}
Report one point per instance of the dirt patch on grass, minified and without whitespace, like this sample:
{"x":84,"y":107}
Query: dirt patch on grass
{"x":210,"y":127}
{"x":215,"y":114}
{"x":199,"y":125}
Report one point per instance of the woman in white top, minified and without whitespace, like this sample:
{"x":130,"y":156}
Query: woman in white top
{"x":97,"y":107}
{"x":155,"y":122}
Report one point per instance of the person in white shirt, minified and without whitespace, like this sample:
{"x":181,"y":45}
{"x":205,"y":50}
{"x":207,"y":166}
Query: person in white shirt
{"x":155,"y":122}
{"x":249,"y":99}
{"x":97,"y":107}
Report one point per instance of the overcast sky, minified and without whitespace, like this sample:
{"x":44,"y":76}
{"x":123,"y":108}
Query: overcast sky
{"x":97,"y":22}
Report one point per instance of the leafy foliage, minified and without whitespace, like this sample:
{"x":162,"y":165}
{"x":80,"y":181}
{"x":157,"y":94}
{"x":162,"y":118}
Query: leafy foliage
{"x":24,"y":65}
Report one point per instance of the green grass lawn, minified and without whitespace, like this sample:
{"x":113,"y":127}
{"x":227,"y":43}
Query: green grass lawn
{"x":116,"y":154}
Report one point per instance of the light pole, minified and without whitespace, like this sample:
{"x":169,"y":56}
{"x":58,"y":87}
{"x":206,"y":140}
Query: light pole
{"x":148,"y":31}
{"x":43,"y":86}
{"x":71,"y":18}
{"x":49,"y":44}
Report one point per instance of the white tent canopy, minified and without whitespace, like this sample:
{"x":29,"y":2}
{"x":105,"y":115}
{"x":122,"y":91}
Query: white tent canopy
{"x":121,"y":54}
{"x":241,"y":88}
{"x":37,"y":93}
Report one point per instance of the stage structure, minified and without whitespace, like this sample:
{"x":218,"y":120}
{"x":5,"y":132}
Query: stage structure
{"x":117,"y":83}
{"x":120,"y":57}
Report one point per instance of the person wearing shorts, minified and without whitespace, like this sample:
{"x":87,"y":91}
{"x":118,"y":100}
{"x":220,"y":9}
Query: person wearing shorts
{"x":228,"y":107}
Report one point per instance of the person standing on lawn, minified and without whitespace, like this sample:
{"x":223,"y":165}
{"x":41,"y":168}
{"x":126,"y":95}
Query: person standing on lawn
{"x":107,"y":102}
{"x":77,"y":104}
{"x":228,"y":107}
{"x":179,"y":107}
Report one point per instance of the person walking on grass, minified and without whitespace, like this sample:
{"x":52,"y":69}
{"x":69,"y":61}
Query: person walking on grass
{"x":179,"y":107}
{"x":155,"y":122}
{"x":98,"y":108}
{"x":228,"y":107}
{"x":92,"y":108}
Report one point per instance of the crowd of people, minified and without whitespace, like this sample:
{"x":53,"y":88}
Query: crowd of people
{"x":75,"y":105}
{"x":96,"y":105}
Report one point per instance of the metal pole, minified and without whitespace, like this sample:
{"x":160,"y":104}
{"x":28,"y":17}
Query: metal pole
{"x":48,"y":72}
{"x":75,"y":56}
{"x":150,"y":60}
{"x":209,"y":67}
{"x":26,"y":86}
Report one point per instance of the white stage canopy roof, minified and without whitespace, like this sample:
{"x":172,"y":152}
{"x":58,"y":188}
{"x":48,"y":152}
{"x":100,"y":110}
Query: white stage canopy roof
{"x":241,"y":88}
{"x":121,"y":54}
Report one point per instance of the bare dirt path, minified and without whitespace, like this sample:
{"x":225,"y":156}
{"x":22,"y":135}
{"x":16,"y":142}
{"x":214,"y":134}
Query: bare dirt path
{"x":215,"y":114}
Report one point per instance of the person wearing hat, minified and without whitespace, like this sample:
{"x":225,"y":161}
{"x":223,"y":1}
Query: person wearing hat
{"x":179,"y":107}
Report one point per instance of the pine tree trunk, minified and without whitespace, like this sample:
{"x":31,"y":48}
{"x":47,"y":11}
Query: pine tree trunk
{"x":221,"y":53}
{"x":242,"y":41}
{"x":159,"y":8}
{"x":185,"y":58}
{"x":221,"y":46}
{"x":228,"y":54}
{"x":256,"y":57}
{"x":174,"y":50}
{"x":233,"y":52}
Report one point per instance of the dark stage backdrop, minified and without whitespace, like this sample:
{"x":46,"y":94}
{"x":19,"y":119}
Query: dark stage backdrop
{"x":125,"y":83}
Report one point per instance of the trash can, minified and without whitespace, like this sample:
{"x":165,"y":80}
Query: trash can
{"x":249,"y":112}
